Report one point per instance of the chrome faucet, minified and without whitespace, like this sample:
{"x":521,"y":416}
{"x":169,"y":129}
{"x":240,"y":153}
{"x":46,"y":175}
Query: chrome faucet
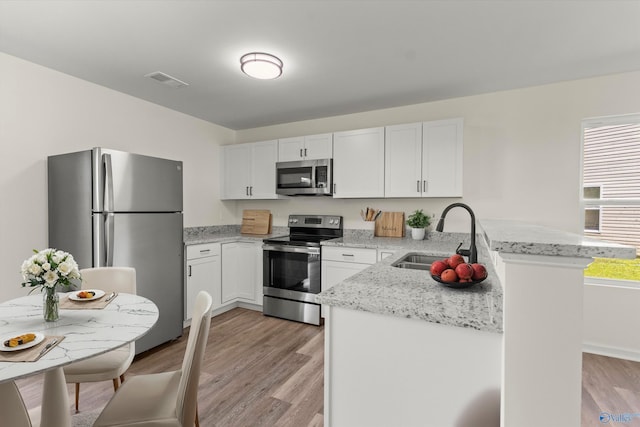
{"x":472,"y":252}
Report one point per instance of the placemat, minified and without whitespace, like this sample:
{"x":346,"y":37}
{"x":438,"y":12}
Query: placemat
{"x":68,"y":304}
{"x":31,"y":354}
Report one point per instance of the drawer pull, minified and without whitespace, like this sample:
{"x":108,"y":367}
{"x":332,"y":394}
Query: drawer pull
{"x":205,"y":251}
{"x":348,"y":255}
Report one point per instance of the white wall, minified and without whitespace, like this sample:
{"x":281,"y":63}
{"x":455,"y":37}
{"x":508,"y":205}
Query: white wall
{"x":612,"y":318}
{"x":44,"y":112}
{"x":521,"y":151}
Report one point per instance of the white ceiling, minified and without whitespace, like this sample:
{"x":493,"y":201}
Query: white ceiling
{"x":340,"y":56}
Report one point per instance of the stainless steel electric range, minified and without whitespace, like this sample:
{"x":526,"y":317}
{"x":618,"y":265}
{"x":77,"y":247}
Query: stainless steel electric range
{"x":291,"y":267}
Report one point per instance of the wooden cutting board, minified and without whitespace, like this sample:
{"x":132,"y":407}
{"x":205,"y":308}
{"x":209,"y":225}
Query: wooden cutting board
{"x":390,"y":224}
{"x":256,"y":221}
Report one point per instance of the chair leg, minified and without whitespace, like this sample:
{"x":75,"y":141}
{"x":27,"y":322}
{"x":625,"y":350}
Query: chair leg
{"x":77,"y":397}
{"x":197,"y":420}
{"x":115,"y":384}
{"x":121,"y":378}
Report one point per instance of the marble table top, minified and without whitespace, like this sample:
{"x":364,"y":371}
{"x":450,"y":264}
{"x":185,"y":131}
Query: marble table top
{"x":87,"y":332}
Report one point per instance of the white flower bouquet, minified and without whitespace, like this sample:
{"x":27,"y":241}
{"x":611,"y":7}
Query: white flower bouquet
{"x":46,"y":270}
{"x":49,"y":268}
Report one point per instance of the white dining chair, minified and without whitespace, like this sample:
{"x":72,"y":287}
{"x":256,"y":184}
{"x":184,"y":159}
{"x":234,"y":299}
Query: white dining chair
{"x":111,"y":365}
{"x":167,"y":399}
{"x":14,"y":412}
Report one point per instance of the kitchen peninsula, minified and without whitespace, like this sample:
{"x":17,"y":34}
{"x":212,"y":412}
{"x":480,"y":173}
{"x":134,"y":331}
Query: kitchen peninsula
{"x":402,"y":350}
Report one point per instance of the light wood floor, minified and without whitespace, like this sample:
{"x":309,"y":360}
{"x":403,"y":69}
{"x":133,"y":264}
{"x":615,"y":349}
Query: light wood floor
{"x":262,"y":371}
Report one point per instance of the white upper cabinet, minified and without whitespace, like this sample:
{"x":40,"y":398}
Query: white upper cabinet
{"x":249,"y":170}
{"x":264,"y":156}
{"x":236,"y":175}
{"x":442,"y":159}
{"x":310,"y":147}
{"x":358,"y":163}
{"x":403,"y":160}
{"x":424,"y":159}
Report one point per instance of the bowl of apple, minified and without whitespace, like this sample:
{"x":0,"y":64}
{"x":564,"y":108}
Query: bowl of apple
{"x":455,"y":272}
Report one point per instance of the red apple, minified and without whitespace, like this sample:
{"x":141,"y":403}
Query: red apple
{"x":449,"y":275}
{"x":464,"y":271}
{"x":438,"y":267}
{"x":479,"y":272}
{"x":455,"y":260}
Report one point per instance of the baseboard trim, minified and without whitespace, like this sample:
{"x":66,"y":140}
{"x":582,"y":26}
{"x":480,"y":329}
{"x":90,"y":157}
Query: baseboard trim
{"x":230,"y":306}
{"x":618,"y":353}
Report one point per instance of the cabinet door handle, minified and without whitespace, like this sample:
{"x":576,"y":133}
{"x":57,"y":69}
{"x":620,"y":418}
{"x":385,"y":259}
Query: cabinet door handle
{"x":424,"y":186}
{"x":251,"y":191}
{"x":418,"y":186}
{"x":334,"y":188}
{"x":189,"y":271}
{"x":246,"y":190}
{"x":301,"y":152}
{"x":305,"y":152}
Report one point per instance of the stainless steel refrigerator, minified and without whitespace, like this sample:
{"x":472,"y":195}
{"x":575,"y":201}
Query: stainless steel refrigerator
{"x":112,"y":208}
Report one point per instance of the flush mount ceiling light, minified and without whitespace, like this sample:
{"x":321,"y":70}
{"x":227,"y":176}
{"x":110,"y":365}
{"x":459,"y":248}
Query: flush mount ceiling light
{"x":261,"y":65}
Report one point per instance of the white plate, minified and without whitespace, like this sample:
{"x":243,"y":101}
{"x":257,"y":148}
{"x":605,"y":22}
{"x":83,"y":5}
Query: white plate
{"x":98,"y":294}
{"x":38,"y":339}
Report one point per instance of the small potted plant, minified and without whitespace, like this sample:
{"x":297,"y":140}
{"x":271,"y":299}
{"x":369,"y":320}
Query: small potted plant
{"x":418,"y":222}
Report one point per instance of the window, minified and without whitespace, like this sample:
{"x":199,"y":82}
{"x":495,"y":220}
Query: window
{"x":611,"y":186}
{"x":592,"y":192}
{"x":592,"y":220}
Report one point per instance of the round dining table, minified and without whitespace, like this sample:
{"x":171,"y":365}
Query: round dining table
{"x":86,"y":332}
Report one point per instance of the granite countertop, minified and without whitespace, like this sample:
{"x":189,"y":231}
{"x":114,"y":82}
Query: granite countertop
{"x":444,"y":243}
{"x":384,"y":289}
{"x":522,"y":238}
{"x":226,"y":233}
{"x":388,"y":290}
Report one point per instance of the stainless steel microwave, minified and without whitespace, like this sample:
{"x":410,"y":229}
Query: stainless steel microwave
{"x":304,"y":178}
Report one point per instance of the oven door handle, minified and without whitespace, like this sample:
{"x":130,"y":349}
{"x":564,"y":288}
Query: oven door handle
{"x":296,"y":249}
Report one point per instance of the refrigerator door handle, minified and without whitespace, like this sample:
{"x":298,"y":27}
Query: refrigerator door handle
{"x":108,"y":183}
{"x":109,"y":225}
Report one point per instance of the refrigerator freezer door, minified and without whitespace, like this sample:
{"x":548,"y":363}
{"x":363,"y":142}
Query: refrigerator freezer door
{"x":125,"y":182}
{"x":152,"y":244}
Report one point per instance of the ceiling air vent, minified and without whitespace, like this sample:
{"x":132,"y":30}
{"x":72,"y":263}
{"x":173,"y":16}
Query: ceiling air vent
{"x":166,"y":79}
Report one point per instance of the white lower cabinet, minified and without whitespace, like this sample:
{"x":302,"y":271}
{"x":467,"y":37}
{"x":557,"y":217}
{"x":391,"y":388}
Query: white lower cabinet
{"x":203,"y":274}
{"x":384,"y":253}
{"x":340,"y":262}
{"x":242,"y":272}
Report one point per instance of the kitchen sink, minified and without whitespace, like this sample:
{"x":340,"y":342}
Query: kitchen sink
{"x":416,"y":261}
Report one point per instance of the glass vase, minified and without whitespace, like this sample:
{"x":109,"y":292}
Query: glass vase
{"x":50,"y":304}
